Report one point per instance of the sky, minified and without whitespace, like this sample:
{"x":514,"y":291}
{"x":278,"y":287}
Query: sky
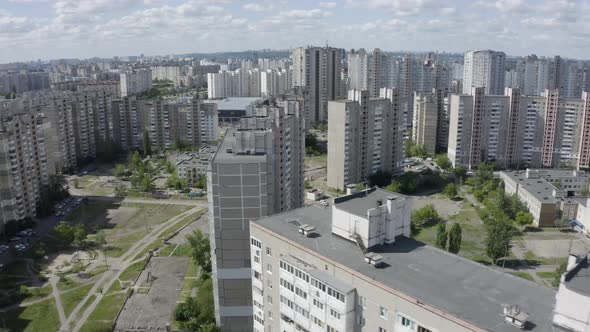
{"x":54,"y":29}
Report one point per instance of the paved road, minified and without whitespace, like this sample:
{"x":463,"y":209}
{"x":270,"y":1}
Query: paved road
{"x":55,"y":292}
{"x":116,"y":267}
{"x":195,"y":202}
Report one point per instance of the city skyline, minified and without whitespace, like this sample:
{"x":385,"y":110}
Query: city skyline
{"x":45,"y":29}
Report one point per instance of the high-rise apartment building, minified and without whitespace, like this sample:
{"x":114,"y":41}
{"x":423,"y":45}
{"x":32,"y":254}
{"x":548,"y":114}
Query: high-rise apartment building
{"x":358,"y":70}
{"x":257,"y":171}
{"x":352,"y":267}
{"x":512,"y":129}
{"x":318,"y":70}
{"x":424,"y":127}
{"x":135,"y":81}
{"x":23,"y":166}
{"x":484,"y":69}
{"x":365,"y":135}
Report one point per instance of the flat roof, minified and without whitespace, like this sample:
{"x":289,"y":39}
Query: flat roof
{"x":360,"y":202}
{"x":578,"y":279}
{"x":222,"y":156}
{"x":234,"y":103}
{"x":466,"y":289}
{"x":540,"y":188}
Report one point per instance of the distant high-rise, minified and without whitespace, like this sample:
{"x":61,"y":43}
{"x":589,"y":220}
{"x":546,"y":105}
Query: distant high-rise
{"x":257,"y":171}
{"x":424,"y":128}
{"x":318,"y":69}
{"x":135,"y":81}
{"x":516,"y":130}
{"x":364,"y":136}
{"x":484,"y":69}
{"x":358,"y":70}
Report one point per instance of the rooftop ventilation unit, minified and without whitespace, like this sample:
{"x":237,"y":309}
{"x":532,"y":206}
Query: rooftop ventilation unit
{"x":513,"y":315}
{"x":374,"y":259}
{"x":306,"y":230}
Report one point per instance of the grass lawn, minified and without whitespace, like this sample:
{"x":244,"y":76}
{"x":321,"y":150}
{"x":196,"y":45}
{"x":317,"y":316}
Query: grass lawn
{"x":105,"y":312}
{"x":66,"y":283}
{"x":41,"y":316}
{"x":473,"y":235}
{"x":132,"y":272}
{"x":71,"y":299}
{"x":36,"y":293}
{"x":546,"y":275}
{"x":523,"y":275}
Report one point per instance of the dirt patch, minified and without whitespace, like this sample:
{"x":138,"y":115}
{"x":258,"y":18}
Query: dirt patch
{"x":119,"y":215}
{"x":445,"y":207}
{"x":64,"y":262}
{"x":557,"y":248}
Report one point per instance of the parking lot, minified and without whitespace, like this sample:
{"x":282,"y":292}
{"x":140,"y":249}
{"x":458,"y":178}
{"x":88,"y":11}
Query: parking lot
{"x":24,"y":240}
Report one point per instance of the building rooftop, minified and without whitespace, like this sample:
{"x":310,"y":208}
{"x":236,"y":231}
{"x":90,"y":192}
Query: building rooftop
{"x":360,"y":202}
{"x":578,"y":279}
{"x":224,"y":153}
{"x":463,"y":288}
{"x":235,"y":103}
{"x":539,"y":187}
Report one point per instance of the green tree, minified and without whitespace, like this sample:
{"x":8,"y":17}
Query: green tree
{"x":119,"y":171}
{"x":201,"y":182}
{"x":135,"y":162}
{"x":100,"y":239}
{"x":311,"y":141}
{"x":498,"y":239}
{"x":79,"y":235}
{"x":451,"y":190}
{"x":65,"y":233}
{"x":169,"y":167}
{"x":441,"y":235}
{"x":147,"y":145}
{"x":460,"y":172}
{"x":443,"y":161}
{"x":380,"y":179}
{"x":200,"y":250}
{"x":455,"y":235}
{"x":524,"y":218}
{"x":120,"y":191}
{"x":423,"y":216}
{"x":395,"y":186}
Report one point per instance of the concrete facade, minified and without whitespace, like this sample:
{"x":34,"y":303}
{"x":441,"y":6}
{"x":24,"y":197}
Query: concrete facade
{"x":424,"y":127}
{"x":256,"y":171}
{"x":484,"y":69}
{"x":322,"y":282}
{"x":364,"y":136}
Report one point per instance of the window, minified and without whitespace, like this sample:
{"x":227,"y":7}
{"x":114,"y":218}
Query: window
{"x":360,"y":320}
{"x":383,"y":312}
{"x":269,"y":268}
{"x":269,"y":251}
{"x":330,"y":329}
{"x":362,"y":302}
{"x":382,"y":329}
{"x":269,"y":299}
{"x":255,"y":274}
{"x":256,"y":243}
{"x":423,"y":329}
{"x":318,"y":304}
{"x":269,"y":284}
{"x":334,"y":314}
{"x":256,"y":259}
{"x":406,"y":322}
{"x":317,"y":321}
{"x":301,"y":293}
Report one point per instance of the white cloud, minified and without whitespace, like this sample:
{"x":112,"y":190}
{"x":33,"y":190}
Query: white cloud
{"x":254,"y":7}
{"x":397,"y":7}
{"x":327,"y":4}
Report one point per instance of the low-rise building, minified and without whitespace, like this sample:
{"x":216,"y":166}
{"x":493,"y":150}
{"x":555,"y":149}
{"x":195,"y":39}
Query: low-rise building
{"x":352,"y":267}
{"x":551,"y":195}
{"x":190,"y":166}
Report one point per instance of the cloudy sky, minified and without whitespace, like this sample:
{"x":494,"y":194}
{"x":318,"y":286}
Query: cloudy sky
{"x":49,"y":29}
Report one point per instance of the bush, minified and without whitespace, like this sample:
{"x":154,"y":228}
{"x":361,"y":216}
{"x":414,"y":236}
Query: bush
{"x":422,"y":217}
